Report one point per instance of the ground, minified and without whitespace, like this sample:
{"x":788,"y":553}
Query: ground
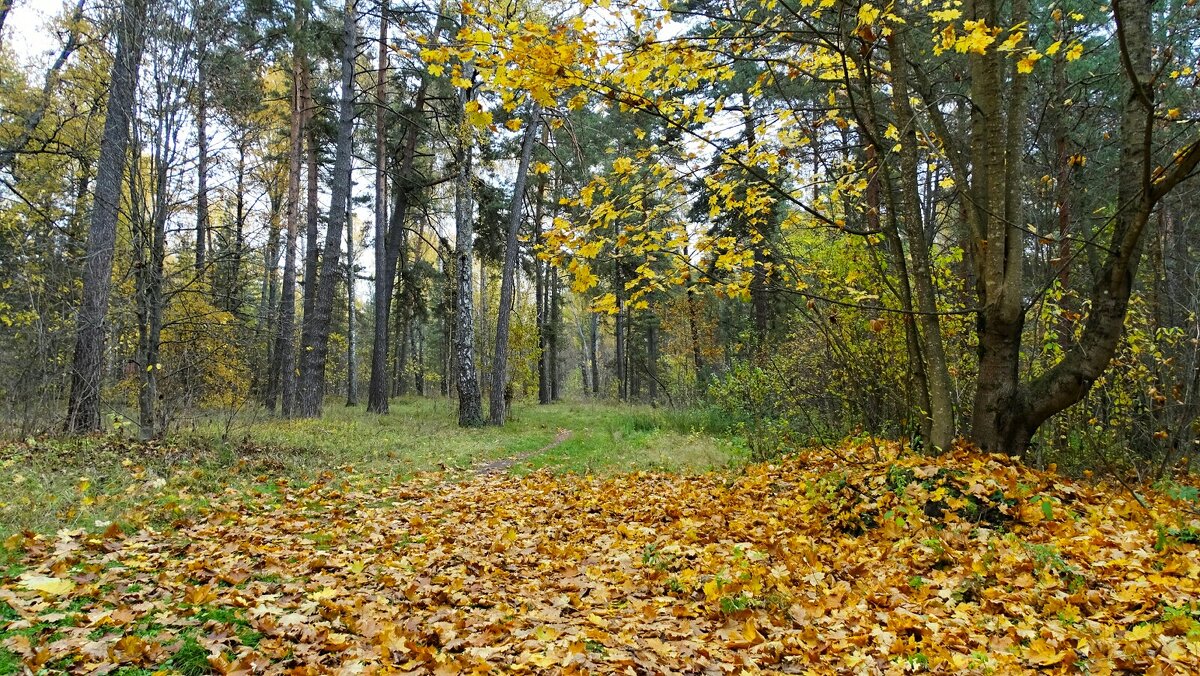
{"x":857,"y":559}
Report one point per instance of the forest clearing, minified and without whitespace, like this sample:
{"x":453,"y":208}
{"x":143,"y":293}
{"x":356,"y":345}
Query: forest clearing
{"x":892,"y":562}
{"x":599,"y":336}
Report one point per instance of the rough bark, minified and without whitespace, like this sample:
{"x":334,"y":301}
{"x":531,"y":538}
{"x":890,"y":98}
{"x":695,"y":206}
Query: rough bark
{"x":377,"y":388}
{"x":314,"y":339}
{"x":470,"y":403}
{"x":508,"y":273}
{"x":312,"y":207}
{"x":83,"y":408}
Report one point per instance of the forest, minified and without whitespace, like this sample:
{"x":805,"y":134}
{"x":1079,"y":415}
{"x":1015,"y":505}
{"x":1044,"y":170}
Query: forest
{"x":601,"y":336}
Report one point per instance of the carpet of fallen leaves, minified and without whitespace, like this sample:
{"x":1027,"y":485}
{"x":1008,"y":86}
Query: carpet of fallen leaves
{"x":959,"y":564}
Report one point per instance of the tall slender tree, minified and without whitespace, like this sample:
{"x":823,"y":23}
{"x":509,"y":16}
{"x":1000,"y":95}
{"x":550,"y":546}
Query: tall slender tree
{"x":508,"y":273}
{"x":314,"y":339}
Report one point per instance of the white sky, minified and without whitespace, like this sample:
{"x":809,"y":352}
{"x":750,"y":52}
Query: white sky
{"x":27,"y":33}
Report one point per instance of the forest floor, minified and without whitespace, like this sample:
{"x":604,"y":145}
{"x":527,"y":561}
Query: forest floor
{"x":860,"y":559}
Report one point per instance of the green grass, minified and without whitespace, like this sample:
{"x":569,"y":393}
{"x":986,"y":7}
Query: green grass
{"x":87,"y":482}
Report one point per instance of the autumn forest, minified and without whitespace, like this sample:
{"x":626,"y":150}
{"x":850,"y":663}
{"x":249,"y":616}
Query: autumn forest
{"x":613,"y":336}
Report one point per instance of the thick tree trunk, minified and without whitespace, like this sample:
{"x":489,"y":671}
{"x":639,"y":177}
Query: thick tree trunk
{"x":470,"y":403}
{"x":508,"y":274}
{"x":314,"y":339}
{"x":312,"y":207}
{"x":83,"y":408}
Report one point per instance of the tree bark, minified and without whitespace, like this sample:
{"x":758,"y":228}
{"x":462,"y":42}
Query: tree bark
{"x":470,"y":403}
{"x":595,"y":353}
{"x":351,"y":333}
{"x":508,"y":273}
{"x":940,"y":386}
{"x":83,"y":408}
{"x":314,"y":339}
{"x":285,"y":350}
{"x":377,"y":388}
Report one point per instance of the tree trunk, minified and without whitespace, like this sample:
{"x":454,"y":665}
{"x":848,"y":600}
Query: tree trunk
{"x":312,"y":208}
{"x":508,"y":274}
{"x":389,"y":242}
{"x":652,"y":358}
{"x":595,"y":353}
{"x":554,"y":333}
{"x":619,"y":336}
{"x":202,"y":149}
{"x":83,"y":408}
{"x":940,"y":386}
{"x":377,"y":389}
{"x":285,"y":350}
{"x":150,"y":251}
{"x":268,"y":312}
{"x":351,"y":333}
{"x":314,"y":339}
{"x":470,"y":403}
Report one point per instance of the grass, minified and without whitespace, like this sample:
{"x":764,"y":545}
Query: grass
{"x":88,"y":482}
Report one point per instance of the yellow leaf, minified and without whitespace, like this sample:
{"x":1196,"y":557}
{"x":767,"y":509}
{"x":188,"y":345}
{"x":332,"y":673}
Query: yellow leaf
{"x":1074,"y":51}
{"x":1025,"y":65}
{"x":867,"y":14}
{"x":1140,"y":632}
{"x":49,"y":586}
{"x":513,"y":124}
{"x":1053,"y":49}
{"x":1011,"y":43}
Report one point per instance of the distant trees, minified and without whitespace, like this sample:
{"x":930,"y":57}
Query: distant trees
{"x":823,"y":219}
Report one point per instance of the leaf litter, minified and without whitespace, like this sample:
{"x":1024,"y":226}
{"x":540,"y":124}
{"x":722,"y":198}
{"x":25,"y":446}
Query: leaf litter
{"x":965,"y":563}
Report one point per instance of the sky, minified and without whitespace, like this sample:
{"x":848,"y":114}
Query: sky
{"x":26,"y":31}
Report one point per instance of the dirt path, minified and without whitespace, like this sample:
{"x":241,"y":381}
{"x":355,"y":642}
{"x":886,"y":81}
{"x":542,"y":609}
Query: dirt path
{"x":504,"y":464}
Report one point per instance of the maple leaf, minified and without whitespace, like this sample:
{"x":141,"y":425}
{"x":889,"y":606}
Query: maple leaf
{"x":48,"y":586}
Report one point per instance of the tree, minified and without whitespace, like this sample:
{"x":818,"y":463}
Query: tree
{"x":83,"y":408}
{"x":470,"y":403}
{"x":496,"y":402}
{"x":314,"y":341}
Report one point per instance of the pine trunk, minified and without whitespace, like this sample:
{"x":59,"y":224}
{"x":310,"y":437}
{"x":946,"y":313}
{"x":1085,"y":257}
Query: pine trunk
{"x":314,"y":339}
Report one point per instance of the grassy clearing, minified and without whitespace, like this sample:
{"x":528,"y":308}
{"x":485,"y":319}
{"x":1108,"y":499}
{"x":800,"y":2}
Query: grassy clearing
{"x":87,"y":482}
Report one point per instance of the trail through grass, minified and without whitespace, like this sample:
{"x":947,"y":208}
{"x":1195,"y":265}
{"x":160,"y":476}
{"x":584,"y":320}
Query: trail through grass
{"x":77,"y":482}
